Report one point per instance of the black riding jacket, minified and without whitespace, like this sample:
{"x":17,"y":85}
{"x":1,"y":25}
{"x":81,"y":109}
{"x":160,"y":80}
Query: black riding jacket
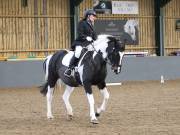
{"x":85,"y":29}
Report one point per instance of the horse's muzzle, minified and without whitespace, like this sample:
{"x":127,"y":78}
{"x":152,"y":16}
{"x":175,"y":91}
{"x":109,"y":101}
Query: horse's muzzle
{"x":116,"y":69}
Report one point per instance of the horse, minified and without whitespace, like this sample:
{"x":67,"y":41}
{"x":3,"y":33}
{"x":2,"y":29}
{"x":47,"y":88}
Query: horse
{"x":131,"y":28}
{"x":91,"y":70}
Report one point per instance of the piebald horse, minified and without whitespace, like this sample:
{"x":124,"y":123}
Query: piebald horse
{"x":91,"y":70}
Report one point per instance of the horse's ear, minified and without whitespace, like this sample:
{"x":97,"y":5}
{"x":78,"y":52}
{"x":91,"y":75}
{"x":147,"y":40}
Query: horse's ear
{"x":112,"y":39}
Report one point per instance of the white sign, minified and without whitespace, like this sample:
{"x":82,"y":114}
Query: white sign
{"x":125,"y":7}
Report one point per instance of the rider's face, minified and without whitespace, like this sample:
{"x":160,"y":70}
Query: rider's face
{"x":92,"y":18}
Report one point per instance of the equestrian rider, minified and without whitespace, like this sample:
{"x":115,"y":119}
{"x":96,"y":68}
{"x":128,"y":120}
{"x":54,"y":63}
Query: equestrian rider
{"x":86,"y":35}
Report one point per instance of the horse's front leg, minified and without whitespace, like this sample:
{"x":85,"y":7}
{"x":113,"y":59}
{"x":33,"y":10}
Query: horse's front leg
{"x":65,"y":97}
{"x":49,"y":97}
{"x":90,"y":98}
{"x":103,"y":89}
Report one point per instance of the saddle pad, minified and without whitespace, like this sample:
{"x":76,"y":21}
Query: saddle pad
{"x":67,"y":58}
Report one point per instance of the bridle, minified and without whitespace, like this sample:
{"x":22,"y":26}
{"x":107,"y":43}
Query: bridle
{"x":105,"y":59}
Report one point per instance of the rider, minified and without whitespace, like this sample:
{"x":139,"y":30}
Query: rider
{"x":86,"y":35}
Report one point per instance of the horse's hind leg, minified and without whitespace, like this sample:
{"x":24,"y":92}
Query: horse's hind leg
{"x":105,"y":95}
{"x":49,"y":97}
{"x":65,"y":97}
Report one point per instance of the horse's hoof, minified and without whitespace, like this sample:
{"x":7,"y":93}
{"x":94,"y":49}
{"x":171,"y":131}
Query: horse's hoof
{"x":94,"y":121}
{"x":69,"y":117}
{"x":97,"y":114}
{"x":50,"y":117}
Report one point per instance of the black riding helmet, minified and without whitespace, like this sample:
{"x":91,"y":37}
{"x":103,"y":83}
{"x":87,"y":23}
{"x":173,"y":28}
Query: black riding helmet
{"x":89,"y":12}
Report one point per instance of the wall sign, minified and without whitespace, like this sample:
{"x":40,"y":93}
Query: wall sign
{"x":125,"y":7}
{"x":102,"y":6}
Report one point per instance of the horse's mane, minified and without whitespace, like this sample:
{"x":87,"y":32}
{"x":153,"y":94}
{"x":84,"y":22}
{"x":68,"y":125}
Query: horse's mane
{"x":102,"y":42}
{"x":102,"y":38}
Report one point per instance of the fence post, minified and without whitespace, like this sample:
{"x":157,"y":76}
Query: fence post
{"x":161,"y":29}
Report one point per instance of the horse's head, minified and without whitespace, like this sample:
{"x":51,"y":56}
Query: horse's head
{"x":115,"y":53}
{"x":112,"y":50}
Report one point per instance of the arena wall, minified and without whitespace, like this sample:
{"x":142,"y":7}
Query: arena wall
{"x":30,"y":73}
{"x":43,"y":26}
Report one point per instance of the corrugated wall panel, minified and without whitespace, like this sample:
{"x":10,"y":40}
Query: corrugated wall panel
{"x":38,"y":29}
{"x":172,"y":13}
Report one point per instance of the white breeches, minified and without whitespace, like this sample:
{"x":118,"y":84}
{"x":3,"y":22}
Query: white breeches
{"x":77,"y":51}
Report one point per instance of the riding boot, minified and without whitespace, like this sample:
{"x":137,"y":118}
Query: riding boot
{"x":72,"y":64}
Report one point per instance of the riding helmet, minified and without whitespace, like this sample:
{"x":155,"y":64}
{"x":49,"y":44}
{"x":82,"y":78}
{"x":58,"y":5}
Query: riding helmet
{"x":89,"y":12}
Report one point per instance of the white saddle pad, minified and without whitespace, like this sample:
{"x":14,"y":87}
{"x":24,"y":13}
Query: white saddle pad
{"x":67,"y":58}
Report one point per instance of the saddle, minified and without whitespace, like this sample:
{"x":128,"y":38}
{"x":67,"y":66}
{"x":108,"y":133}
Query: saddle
{"x":67,"y":58}
{"x":75,"y":72}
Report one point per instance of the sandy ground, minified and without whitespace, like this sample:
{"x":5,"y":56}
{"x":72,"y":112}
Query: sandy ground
{"x":135,"y":108}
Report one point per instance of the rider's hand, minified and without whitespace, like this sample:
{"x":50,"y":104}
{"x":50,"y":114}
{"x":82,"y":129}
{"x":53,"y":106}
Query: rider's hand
{"x":89,"y":39}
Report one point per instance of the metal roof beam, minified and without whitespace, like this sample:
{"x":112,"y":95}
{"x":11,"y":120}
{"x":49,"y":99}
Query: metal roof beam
{"x":74,"y":12}
{"x":159,"y":27}
{"x":77,"y":2}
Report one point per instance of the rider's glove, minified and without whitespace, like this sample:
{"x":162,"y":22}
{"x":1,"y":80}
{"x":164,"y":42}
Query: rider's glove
{"x":89,"y":39}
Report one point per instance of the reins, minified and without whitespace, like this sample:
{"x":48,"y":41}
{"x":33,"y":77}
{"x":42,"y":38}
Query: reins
{"x":106,"y":60}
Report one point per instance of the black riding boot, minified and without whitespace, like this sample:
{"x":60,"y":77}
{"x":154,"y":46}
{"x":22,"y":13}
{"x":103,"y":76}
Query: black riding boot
{"x":72,"y":64}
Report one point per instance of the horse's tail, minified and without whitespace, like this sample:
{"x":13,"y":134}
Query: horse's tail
{"x":46,"y":65}
{"x":46,"y":71}
{"x":44,"y":88}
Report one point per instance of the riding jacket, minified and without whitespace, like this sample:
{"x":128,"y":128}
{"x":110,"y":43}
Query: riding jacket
{"x":85,"y":29}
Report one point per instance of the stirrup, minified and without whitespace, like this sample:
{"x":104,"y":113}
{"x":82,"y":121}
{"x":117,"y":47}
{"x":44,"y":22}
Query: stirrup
{"x":68,"y":74}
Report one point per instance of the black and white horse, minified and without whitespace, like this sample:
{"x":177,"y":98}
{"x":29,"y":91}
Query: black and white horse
{"x":91,"y":70}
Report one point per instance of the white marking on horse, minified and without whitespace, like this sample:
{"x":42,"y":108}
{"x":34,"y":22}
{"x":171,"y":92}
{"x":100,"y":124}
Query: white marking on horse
{"x":94,"y":54}
{"x":120,"y":60}
{"x":47,"y":65}
{"x":101,"y":44}
{"x":91,"y":104}
{"x":80,"y":71}
{"x":105,"y":95}
{"x":65,"y":97}
{"x":49,"y":97}
{"x":67,"y":58}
